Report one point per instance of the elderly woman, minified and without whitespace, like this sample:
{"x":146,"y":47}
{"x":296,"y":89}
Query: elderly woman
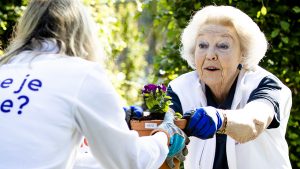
{"x":53,"y":94}
{"x":237,"y":111}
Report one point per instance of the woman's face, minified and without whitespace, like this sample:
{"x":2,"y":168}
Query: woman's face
{"x":217,"y":55}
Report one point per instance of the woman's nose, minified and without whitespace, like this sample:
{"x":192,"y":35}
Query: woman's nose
{"x":211,"y":55}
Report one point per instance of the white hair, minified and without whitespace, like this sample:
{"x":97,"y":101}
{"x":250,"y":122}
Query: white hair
{"x":253,"y":42}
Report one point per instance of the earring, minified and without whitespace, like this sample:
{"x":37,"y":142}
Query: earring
{"x":240,"y":66}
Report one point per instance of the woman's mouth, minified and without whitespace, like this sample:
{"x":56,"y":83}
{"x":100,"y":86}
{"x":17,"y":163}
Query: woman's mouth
{"x":211,"y":68}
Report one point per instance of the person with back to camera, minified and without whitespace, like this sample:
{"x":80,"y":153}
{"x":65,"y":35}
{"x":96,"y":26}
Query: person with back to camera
{"x":53,"y":94}
{"x":237,"y":111}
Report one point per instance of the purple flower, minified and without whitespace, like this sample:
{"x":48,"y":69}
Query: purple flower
{"x":152,"y":87}
{"x":149,"y":88}
{"x":156,"y":98}
{"x":163,"y":88}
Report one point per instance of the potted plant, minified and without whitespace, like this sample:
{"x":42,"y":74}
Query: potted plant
{"x":156,"y":103}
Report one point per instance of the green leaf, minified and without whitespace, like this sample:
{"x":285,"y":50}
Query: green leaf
{"x":150,"y":103}
{"x":287,"y":80}
{"x":168,"y":97}
{"x":166,"y":108}
{"x":197,"y":5}
{"x":263,"y":10}
{"x":285,"y":25}
{"x":296,"y":9}
{"x":3,"y":25}
{"x":275,"y":33}
{"x":258,"y":14}
{"x":178,"y":115}
{"x":169,"y":102}
{"x":285,"y":40}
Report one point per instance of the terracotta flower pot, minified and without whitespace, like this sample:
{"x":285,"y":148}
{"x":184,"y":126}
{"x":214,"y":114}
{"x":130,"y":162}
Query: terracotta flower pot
{"x":144,"y":128}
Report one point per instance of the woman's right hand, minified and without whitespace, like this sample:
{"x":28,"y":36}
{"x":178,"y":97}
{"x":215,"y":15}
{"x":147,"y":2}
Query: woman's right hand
{"x":203,"y":123}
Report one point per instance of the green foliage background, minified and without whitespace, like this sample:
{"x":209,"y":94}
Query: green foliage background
{"x":142,"y":38}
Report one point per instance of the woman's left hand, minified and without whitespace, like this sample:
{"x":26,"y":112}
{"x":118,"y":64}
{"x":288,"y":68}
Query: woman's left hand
{"x":243,"y":128}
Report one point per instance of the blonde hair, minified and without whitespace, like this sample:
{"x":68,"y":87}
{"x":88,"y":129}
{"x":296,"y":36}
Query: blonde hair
{"x":65,"y":21}
{"x":253,"y":41}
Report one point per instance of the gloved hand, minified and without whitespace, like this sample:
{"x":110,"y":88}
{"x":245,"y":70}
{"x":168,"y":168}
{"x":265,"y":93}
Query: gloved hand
{"x":179,"y":156}
{"x":133,"y":112}
{"x":203,"y":122}
{"x":177,"y":139}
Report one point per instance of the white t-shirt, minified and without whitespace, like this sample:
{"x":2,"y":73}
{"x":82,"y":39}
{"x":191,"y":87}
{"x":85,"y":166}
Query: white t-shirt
{"x":49,"y":102}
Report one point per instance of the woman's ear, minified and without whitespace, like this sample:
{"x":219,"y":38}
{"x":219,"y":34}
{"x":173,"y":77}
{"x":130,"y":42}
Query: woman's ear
{"x":242,"y":58}
{"x":241,"y":61}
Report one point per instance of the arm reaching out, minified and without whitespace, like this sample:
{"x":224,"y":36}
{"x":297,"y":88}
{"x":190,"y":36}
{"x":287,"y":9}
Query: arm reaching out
{"x":242,"y":125}
{"x":261,"y":112}
{"x":246,"y":124}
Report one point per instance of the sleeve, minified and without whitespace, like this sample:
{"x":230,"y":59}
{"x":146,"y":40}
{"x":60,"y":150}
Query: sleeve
{"x":176,"y":106}
{"x":269,"y":90}
{"x":100,"y":118}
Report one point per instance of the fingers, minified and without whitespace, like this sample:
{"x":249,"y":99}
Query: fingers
{"x":194,"y":120}
{"x":187,"y":115}
{"x":259,"y":126}
{"x":203,"y":123}
{"x":211,"y":130}
{"x":187,"y":140}
{"x":180,"y":156}
{"x":177,"y":143}
{"x":185,"y":151}
{"x":170,"y":162}
{"x":243,"y":133}
{"x":245,"y":138}
{"x":137,"y":111}
{"x":205,"y":128}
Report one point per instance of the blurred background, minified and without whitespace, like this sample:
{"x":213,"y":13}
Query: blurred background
{"x":141,"y":40}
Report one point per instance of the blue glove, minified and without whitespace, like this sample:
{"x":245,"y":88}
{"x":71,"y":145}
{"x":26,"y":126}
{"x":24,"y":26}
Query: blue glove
{"x":203,"y":122}
{"x":137,"y":111}
{"x":177,"y":139}
{"x":133,"y":112}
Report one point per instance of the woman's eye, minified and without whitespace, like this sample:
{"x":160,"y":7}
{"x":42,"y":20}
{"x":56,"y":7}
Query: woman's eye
{"x":223,"y":46}
{"x":203,"y":45}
